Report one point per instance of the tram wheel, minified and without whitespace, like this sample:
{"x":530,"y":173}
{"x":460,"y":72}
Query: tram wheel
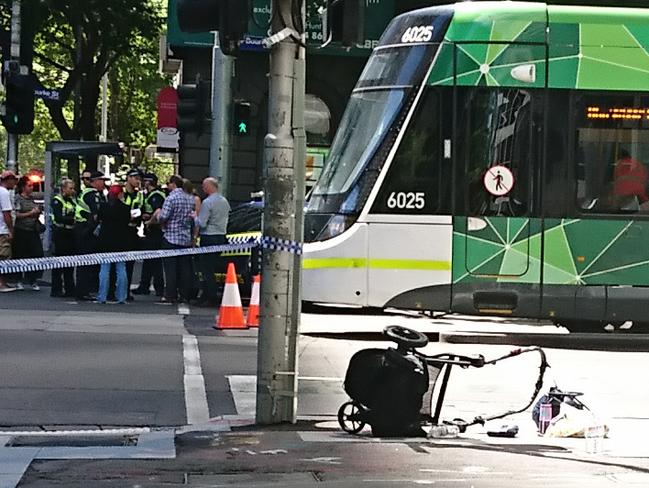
{"x":349,"y":417}
{"x":405,"y":337}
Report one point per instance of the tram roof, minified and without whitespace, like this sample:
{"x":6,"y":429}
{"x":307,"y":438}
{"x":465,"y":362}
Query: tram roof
{"x":509,"y":21}
{"x":588,"y":47}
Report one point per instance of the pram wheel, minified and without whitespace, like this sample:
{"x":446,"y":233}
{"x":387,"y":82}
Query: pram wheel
{"x":350,"y":417}
{"x":405,"y":337}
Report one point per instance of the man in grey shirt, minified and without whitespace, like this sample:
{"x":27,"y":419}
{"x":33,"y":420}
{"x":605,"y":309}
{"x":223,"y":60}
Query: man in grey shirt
{"x":212,"y":225}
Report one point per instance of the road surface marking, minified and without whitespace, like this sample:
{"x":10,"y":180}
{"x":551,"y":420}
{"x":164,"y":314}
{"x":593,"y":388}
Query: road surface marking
{"x":195,"y":394}
{"x":183,"y":309}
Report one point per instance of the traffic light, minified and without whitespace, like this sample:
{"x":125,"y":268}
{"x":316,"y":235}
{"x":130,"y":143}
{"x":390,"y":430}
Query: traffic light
{"x":192,"y":110}
{"x":345,"y":22}
{"x":19,"y":103}
{"x":19,"y":82}
{"x":241,"y":119}
{"x":228,"y":17}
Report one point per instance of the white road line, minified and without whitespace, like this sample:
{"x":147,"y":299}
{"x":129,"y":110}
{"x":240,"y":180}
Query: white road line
{"x":195,"y":394}
{"x":183,"y":309}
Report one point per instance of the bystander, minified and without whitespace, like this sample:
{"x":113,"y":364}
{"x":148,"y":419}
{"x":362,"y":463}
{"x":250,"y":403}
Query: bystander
{"x":176,"y":218}
{"x":212,"y":224}
{"x":7,"y":182}
{"x":27,"y":239}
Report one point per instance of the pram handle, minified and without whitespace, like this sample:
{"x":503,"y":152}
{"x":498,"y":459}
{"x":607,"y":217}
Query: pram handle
{"x":454,"y":359}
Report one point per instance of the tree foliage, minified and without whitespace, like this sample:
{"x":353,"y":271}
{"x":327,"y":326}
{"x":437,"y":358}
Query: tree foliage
{"x":76,"y":42}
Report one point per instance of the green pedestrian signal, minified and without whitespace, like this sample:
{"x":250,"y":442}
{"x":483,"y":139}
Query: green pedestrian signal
{"x":242,"y":118}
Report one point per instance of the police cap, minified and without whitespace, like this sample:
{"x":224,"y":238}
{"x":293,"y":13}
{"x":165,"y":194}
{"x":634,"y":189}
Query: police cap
{"x":98,"y":175}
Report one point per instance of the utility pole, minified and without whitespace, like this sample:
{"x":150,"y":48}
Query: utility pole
{"x":277,"y":368}
{"x":221,"y":138}
{"x":104,"y":166}
{"x":12,"y":139}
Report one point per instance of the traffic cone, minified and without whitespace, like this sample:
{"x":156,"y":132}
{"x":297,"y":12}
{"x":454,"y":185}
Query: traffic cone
{"x":231,"y":312}
{"x":253,"y":309}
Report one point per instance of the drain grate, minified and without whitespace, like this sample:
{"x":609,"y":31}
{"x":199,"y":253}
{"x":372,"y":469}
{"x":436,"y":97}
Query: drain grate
{"x":73,"y":441}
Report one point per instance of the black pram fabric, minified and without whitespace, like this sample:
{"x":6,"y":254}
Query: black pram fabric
{"x":391,"y":386}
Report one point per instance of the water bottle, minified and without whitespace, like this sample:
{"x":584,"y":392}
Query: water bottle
{"x":444,"y":431}
{"x":594,"y":435}
{"x":545,"y":417}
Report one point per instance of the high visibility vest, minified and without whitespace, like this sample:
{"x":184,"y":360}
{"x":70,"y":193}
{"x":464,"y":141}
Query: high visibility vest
{"x":82,"y":206}
{"x":69,"y":208}
{"x":133,"y":202}
{"x":147,"y":203}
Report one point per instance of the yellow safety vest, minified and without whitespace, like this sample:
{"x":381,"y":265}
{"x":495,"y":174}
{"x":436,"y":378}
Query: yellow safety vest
{"x":134,"y":202}
{"x":82,"y":206}
{"x":69,"y":208}
{"x":147,"y":205}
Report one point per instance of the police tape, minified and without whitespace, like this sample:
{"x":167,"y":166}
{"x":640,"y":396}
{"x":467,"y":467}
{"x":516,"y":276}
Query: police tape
{"x":57,"y":262}
{"x":275,"y":244}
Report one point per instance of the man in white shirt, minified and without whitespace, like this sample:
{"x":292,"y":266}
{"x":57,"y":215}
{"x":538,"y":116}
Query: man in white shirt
{"x":8,"y":181}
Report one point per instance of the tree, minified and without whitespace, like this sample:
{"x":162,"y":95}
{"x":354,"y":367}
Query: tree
{"x":77,"y":41}
{"x":134,"y":82}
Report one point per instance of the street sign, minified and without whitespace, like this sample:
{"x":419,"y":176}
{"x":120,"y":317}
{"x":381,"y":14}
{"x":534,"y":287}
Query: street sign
{"x":46,"y":94}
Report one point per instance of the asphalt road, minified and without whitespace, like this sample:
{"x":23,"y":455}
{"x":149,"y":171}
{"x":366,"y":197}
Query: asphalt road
{"x":69,"y":364}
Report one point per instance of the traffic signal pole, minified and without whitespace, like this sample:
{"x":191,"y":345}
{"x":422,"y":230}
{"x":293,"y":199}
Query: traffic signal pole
{"x":277,"y":368}
{"x":12,"y":139}
{"x":221,"y":138}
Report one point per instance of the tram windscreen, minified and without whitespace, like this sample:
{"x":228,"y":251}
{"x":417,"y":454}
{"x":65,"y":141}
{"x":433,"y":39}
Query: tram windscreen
{"x":379,"y":96}
{"x":367,"y":119}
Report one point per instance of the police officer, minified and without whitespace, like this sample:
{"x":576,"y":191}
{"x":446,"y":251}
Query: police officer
{"x":63,"y":212}
{"x":86,"y":221}
{"x":133,"y":198}
{"x":151,"y":268}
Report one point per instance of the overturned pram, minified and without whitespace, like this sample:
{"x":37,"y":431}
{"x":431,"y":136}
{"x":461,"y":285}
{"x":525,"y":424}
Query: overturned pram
{"x":392,"y":389}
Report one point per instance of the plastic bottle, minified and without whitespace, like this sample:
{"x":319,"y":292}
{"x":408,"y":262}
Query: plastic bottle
{"x":594,"y":436}
{"x":545,"y":417}
{"x":444,"y":431}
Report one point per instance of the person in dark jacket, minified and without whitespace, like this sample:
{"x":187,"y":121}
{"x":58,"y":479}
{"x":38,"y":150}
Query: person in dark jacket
{"x":114,"y":218}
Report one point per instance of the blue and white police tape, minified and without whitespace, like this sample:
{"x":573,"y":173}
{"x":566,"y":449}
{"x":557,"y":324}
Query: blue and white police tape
{"x":56,"y":262}
{"x":275,"y":244}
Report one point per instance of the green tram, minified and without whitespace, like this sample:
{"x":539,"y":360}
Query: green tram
{"x":492,"y":160}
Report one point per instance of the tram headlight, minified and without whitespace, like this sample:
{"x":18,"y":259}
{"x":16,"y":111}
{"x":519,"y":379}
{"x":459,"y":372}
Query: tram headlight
{"x":337,"y":225}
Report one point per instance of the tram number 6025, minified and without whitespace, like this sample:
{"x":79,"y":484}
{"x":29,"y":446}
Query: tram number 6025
{"x":421,"y":33}
{"x":407,"y":200}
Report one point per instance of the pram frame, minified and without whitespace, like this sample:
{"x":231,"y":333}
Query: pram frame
{"x":408,"y":341}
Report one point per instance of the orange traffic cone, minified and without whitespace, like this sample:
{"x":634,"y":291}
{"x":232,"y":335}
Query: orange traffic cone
{"x":253,"y":309}
{"x":231,"y":312}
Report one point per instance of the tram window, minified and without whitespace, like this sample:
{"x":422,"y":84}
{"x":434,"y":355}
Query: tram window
{"x":497,"y":131}
{"x":413,"y":184}
{"x":612,"y":154}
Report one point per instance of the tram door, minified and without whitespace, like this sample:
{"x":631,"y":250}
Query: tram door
{"x":496,"y":240}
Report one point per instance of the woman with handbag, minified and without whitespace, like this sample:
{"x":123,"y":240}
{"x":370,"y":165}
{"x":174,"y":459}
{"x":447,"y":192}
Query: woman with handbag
{"x":27,"y":238}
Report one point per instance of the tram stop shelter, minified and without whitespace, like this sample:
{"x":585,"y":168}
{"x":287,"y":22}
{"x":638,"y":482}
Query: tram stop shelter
{"x":58,"y":152}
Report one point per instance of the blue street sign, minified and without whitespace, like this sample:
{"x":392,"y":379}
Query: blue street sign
{"x":49,"y":95}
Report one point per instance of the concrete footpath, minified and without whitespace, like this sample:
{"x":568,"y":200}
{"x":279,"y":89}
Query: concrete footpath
{"x":230,"y":452}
